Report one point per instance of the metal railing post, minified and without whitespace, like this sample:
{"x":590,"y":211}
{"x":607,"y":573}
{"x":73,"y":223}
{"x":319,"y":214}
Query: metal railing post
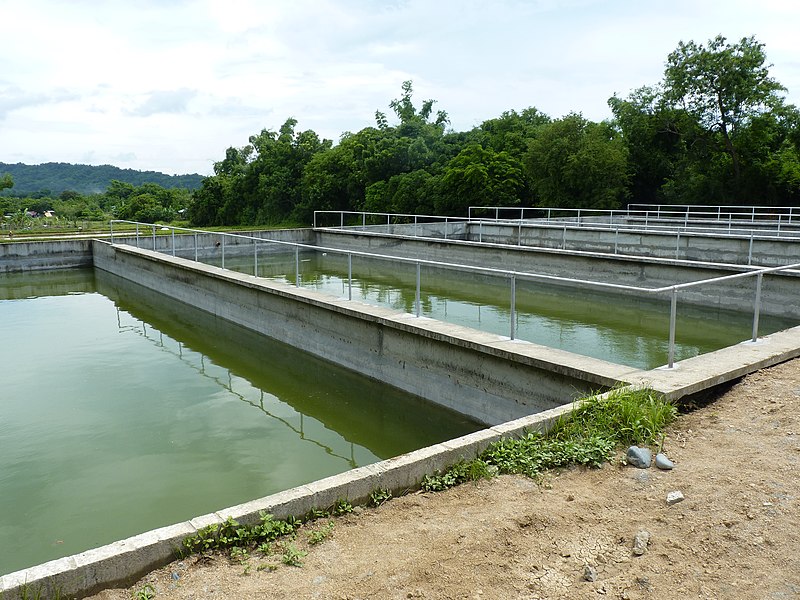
{"x":678,"y":245}
{"x":349,"y":276}
{"x":154,"y":238}
{"x":173,"y":241}
{"x":513,"y":312}
{"x":315,"y":220}
{"x":341,"y":220}
{"x":480,"y":231}
{"x":223,"y":250}
{"x":757,"y":306}
{"x":195,"y":246}
{"x":673,"y":311}
{"x":137,"y":235}
{"x":111,"y":228}
{"x":750,"y":250}
{"x":297,"y":266}
{"x":616,"y":239}
{"x":564,"y":238}
{"x":363,"y":220}
{"x":519,"y":233}
{"x":255,"y":257}
{"x":415,"y":225}
{"x":417,"y":293}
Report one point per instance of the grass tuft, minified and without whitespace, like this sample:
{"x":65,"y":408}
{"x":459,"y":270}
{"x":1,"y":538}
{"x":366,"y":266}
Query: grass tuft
{"x":587,"y":436}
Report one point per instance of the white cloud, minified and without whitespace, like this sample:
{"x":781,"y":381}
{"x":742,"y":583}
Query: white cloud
{"x":168,"y":86}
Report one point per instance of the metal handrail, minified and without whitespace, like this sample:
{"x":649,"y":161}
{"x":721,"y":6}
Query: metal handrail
{"x":656,"y":212}
{"x":512,"y":275}
{"x":683,"y":230}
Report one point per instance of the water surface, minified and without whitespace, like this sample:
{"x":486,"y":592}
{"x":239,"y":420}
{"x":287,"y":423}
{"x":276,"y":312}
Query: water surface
{"x":122,"y":410}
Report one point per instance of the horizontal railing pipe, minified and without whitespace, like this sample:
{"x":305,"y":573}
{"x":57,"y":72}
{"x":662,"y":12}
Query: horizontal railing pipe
{"x":672,"y":289}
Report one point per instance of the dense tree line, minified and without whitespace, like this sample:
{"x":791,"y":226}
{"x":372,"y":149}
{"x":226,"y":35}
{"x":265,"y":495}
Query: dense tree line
{"x":148,"y":202}
{"x":51,"y":179}
{"x":715,"y":130}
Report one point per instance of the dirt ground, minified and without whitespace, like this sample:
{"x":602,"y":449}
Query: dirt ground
{"x":736,"y":534}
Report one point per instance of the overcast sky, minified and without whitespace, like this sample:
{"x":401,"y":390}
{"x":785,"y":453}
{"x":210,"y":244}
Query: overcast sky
{"x":168,"y":85}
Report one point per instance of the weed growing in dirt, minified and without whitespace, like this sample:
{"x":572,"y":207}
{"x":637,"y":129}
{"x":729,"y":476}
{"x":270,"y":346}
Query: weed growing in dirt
{"x":292,"y":556}
{"x":378,"y":496}
{"x":147,"y":592}
{"x":318,"y":536}
{"x":342,"y":507}
{"x":588,"y":436}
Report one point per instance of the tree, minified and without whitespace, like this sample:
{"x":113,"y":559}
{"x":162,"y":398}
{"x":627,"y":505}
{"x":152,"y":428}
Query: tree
{"x":723,"y":86}
{"x":511,"y":131}
{"x":6,"y":181}
{"x":577,"y":163}
{"x":480,"y":177}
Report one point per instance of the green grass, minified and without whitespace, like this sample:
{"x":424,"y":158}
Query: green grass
{"x":588,"y":436}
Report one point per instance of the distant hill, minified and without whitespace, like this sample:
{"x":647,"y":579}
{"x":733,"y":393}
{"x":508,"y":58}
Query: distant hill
{"x":86,"y":179}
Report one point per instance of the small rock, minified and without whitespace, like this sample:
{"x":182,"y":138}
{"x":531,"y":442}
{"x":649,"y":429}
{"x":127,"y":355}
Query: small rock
{"x":640,"y":542}
{"x":357,"y":510}
{"x":589,"y":573}
{"x":175,"y":576}
{"x":674,"y":498}
{"x":639,"y":457}
{"x":662,"y":462}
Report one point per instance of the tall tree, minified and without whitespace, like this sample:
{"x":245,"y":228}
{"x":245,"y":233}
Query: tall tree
{"x":577,"y":163}
{"x":724,"y":86}
{"x":6,"y":181}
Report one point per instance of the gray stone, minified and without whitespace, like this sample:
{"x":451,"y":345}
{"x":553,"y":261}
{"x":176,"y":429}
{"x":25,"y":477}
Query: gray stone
{"x":674,"y":497}
{"x":662,"y":462}
{"x":640,"y":542}
{"x":639,"y":457}
{"x":589,"y":573}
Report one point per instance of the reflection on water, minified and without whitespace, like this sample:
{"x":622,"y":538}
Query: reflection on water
{"x":123,"y":411}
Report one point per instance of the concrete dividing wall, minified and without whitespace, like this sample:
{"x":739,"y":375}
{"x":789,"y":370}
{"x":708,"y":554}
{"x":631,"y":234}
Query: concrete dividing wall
{"x":485,"y":376}
{"x":763,"y":250}
{"x":779,"y":293}
{"x":18,"y":257}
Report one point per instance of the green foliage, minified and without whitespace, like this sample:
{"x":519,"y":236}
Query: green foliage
{"x":342,"y":507}
{"x":588,"y":436}
{"x":624,"y":416}
{"x":575,"y":163}
{"x":457,"y":474}
{"x":378,"y":496}
{"x":6,"y":181}
{"x":147,"y":592}
{"x":292,"y":556}
{"x":318,"y":536}
{"x":480,"y":177}
{"x":231,"y":533}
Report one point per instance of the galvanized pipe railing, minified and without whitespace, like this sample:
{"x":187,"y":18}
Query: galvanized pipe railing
{"x":513,"y":277}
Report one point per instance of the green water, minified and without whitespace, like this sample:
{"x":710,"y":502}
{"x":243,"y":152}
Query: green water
{"x":613,"y":327}
{"x":122,"y":411}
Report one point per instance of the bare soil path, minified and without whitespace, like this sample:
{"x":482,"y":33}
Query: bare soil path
{"x":736,"y":535}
